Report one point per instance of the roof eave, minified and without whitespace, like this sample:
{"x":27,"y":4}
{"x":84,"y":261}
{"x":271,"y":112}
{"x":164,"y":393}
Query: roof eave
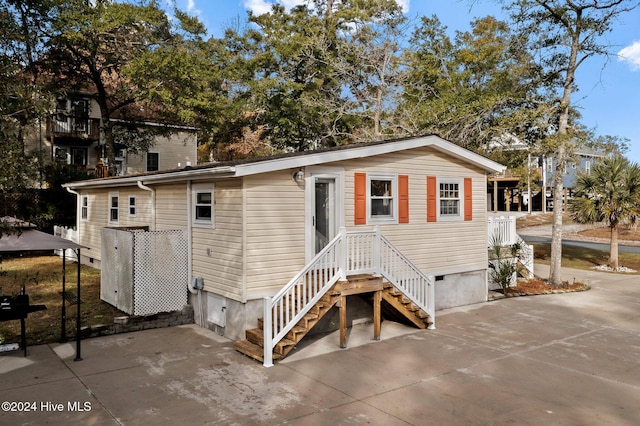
{"x":175,"y":176}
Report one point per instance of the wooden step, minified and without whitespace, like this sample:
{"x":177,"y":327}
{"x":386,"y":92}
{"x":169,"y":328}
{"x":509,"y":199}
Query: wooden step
{"x":296,"y":333}
{"x":402,"y":308}
{"x":251,"y":350}
{"x":256,"y":336}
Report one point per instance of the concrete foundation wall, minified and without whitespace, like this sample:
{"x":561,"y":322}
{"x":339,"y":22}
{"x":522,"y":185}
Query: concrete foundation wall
{"x":461,"y":289}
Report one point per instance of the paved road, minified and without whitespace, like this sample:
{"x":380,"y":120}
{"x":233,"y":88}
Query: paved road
{"x":585,"y":244}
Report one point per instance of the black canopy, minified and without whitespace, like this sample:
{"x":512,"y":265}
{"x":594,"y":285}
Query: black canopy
{"x":25,"y":238}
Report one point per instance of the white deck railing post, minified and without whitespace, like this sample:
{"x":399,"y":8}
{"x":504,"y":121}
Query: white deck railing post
{"x":512,"y":229}
{"x":491,"y":231}
{"x":432,"y":300}
{"x":268,"y":333}
{"x":376,"y":251}
{"x":343,"y":254}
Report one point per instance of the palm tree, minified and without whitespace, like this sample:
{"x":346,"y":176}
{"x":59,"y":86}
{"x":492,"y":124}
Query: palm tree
{"x":609,"y":194}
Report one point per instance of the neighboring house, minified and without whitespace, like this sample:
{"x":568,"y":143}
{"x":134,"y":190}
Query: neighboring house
{"x":72,"y":136}
{"x":583,"y":160}
{"x":252,"y":225}
{"x":505,"y":192}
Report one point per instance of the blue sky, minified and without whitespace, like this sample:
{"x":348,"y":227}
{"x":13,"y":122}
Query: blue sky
{"x":609,"y":92}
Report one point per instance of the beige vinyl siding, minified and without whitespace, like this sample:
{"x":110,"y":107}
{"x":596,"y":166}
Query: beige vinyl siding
{"x":98,"y":215}
{"x":217,"y":252}
{"x":274,"y":234}
{"x":98,"y":218}
{"x":173,"y":151}
{"x":436,"y":247}
{"x":171,"y":206}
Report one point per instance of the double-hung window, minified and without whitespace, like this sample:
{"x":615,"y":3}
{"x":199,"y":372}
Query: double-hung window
{"x":84,"y":207}
{"x":383,"y":197}
{"x":132,"y":206}
{"x":449,"y":198}
{"x":114,"y":202}
{"x":202,"y":205}
{"x":153,"y":161}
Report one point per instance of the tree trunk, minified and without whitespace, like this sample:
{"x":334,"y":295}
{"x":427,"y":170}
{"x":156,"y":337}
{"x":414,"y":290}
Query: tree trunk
{"x":561,"y":154}
{"x":555,"y":276}
{"x":613,"y":253}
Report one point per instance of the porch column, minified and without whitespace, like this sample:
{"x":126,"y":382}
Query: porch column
{"x":377,"y":318}
{"x":495,"y":196}
{"x":343,"y":322}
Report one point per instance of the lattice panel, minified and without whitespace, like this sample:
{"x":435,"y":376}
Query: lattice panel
{"x":160,"y":271}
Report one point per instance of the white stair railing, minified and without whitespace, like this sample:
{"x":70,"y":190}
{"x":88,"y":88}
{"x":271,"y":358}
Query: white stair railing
{"x":283,"y":311}
{"x":408,"y":278}
{"x":349,"y":253}
{"x":527,"y":255}
{"x":502,"y":230}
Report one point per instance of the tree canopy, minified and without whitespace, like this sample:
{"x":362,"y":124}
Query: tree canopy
{"x":325,"y":73}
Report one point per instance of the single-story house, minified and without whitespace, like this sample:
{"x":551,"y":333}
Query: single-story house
{"x":251,"y":226}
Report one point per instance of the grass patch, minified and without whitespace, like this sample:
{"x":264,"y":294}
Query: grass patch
{"x":582,"y":258}
{"x":42,"y":278}
{"x":537,"y":219}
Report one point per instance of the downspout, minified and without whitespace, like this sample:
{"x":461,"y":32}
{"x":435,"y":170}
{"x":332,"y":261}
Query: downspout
{"x":189,"y":239}
{"x":153,"y":203}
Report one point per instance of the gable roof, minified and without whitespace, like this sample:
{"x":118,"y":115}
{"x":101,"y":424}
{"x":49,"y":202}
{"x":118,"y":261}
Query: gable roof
{"x":294,"y":160}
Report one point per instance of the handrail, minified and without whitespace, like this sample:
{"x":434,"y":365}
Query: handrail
{"x":408,"y":278}
{"x":283,"y":311}
{"x":527,"y":255}
{"x":348,"y":253}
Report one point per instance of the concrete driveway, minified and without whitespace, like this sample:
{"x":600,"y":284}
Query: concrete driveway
{"x":566,"y":359}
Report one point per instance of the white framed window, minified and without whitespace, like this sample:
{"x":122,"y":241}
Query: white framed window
{"x":84,"y":207}
{"x":114,"y":205}
{"x":450,"y":196}
{"x":382,"y":196}
{"x":132,"y":206}
{"x":587,"y":167}
{"x":202,"y":200}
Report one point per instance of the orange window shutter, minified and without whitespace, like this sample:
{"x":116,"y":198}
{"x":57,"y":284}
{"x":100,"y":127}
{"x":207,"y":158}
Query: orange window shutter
{"x":468,"y":200}
{"x":403,"y":198}
{"x":432,"y":198}
{"x":360,"y":198}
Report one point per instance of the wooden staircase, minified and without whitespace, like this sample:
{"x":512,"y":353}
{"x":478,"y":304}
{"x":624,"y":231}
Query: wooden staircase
{"x":253,"y":345}
{"x":405,"y":307}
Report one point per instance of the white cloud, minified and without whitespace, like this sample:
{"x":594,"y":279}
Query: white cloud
{"x":258,"y":7}
{"x":190,"y":5}
{"x":631,"y":55}
{"x":404,"y":4}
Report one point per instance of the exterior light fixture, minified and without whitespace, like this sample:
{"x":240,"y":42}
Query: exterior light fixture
{"x":298,"y":176}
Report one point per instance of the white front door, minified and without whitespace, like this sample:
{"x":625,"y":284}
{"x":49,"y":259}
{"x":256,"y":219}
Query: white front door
{"x":324,"y":208}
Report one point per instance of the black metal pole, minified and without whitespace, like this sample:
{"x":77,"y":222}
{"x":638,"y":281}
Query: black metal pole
{"x":63,"y":330}
{"x":78,"y":326}
{"x":23,"y":336}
